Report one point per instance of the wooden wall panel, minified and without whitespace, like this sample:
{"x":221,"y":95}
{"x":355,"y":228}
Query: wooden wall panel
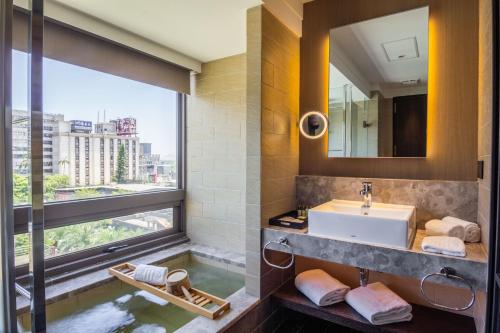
{"x":453,"y":79}
{"x":280,"y":115}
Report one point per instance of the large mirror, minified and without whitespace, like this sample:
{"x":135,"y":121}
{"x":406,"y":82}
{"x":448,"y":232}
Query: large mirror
{"x":377,"y":104}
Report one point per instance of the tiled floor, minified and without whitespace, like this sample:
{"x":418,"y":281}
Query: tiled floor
{"x":298,"y":323}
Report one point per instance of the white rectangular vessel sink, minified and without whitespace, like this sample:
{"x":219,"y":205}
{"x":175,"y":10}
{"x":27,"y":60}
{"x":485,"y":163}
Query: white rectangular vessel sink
{"x":384,"y":224}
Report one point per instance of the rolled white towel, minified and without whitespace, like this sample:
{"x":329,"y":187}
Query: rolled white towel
{"x":378,"y":304}
{"x":472,"y":232}
{"x":321,"y":288}
{"x":151,"y":274}
{"x":441,"y":228}
{"x":450,"y":246}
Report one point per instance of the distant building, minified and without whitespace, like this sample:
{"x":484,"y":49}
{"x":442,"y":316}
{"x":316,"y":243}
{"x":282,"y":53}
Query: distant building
{"x":21,"y":144}
{"x":145,"y":149}
{"x":105,"y":128}
{"x":80,"y":126}
{"x":125,"y":126}
{"x":71,"y":148}
{"x":91,"y":158}
{"x":147,"y":163}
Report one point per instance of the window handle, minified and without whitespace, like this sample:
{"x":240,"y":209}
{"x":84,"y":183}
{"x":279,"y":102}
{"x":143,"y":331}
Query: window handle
{"x":22,"y":291}
{"x":112,"y":249}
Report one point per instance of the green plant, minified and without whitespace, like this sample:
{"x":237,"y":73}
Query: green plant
{"x":120,"y":166}
{"x":63,"y":164}
{"x":53,"y":182}
{"x":21,"y":189}
{"x":84,"y":193}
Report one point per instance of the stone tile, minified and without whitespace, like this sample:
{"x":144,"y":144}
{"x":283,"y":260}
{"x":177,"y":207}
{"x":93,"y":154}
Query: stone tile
{"x":253,"y":262}
{"x":252,"y":285}
{"x":253,"y":216}
{"x":432,"y":198}
{"x":253,"y":191}
{"x":253,"y":239}
{"x":241,"y":303}
{"x":216,"y":124}
{"x":411,"y":263}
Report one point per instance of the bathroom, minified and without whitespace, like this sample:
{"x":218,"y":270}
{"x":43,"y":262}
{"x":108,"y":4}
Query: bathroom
{"x":281,"y":165}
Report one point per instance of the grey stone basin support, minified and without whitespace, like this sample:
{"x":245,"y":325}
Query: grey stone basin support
{"x":408,"y":263}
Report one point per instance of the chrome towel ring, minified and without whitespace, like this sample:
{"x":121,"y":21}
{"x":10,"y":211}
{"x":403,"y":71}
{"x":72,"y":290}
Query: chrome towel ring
{"x":283,"y":242}
{"x":448,"y":273}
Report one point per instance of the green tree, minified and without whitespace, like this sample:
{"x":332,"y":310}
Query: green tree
{"x":120,"y":166}
{"x":21,"y":189}
{"x":53,"y":182}
{"x":63,"y":164}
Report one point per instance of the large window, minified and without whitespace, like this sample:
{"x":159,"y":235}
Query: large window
{"x":112,"y":159}
{"x":108,"y":135}
{"x":77,"y":237}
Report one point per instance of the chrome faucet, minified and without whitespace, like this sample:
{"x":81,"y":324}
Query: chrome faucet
{"x":364,"y":275}
{"x":366,"y":192}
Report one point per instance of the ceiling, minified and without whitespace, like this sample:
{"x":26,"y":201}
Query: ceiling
{"x":201,"y":29}
{"x":368,"y":45}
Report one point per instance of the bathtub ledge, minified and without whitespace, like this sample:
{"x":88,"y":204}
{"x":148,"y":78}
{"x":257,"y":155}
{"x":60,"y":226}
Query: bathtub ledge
{"x":241,"y":303}
{"x":68,"y":288}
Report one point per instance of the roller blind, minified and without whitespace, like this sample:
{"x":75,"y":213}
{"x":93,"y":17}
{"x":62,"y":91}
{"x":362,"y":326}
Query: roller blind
{"x":71,"y":45}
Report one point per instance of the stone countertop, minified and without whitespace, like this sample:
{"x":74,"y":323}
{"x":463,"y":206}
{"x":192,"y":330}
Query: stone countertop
{"x":411,"y":262}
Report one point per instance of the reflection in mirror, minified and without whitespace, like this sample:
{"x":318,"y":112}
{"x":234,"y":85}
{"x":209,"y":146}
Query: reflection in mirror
{"x":313,"y":125}
{"x":377,"y":104}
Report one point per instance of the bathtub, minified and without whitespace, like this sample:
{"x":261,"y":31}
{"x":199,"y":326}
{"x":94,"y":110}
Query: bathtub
{"x":118,"y":307}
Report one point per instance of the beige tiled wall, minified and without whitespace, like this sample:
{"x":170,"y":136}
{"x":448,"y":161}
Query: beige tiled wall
{"x":216,"y":154}
{"x":273,"y":64}
{"x":253,"y":158}
{"x":280,"y":133}
{"x":485,"y":108}
{"x":280,"y":112}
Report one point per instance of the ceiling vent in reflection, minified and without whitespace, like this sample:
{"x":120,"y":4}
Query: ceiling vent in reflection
{"x":412,"y":82}
{"x":402,"y":49}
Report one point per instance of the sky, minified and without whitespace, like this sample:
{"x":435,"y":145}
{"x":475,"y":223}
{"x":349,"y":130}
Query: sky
{"x":80,"y":93}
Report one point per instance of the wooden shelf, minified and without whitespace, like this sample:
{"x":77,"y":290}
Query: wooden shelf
{"x":424,"y":319}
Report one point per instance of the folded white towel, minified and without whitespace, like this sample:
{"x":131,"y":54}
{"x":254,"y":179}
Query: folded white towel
{"x":450,"y":246}
{"x":151,"y":274}
{"x":321,"y":288}
{"x":378,"y":304}
{"x":472,"y":232}
{"x":441,"y":228}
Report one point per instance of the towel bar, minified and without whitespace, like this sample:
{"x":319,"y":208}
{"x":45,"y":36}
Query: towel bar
{"x":283,"y":242}
{"x":448,"y":273}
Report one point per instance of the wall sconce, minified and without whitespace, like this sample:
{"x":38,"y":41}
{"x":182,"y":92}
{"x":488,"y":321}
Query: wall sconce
{"x":313,"y":125}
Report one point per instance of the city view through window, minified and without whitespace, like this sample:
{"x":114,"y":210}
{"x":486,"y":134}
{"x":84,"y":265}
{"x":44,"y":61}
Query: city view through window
{"x":102,"y":135}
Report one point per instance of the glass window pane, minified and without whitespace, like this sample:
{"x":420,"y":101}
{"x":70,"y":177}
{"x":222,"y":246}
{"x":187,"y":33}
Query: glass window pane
{"x":103,"y":134}
{"x":21,"y":162}
{"x":83,"y":236}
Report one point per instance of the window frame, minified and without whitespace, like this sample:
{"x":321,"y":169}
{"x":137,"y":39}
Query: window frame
{"x":65,"y":213}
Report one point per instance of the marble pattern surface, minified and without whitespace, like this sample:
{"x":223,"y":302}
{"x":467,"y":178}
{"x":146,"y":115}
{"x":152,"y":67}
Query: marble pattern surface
{"x":412,"y":263}
{"x":432,"y":198}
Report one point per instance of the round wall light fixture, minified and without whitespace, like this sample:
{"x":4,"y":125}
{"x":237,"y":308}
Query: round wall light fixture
{"x":313,"y":125}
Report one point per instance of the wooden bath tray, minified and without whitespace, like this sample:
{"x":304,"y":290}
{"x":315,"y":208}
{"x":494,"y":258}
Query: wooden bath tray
{"x":125,"y":272}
